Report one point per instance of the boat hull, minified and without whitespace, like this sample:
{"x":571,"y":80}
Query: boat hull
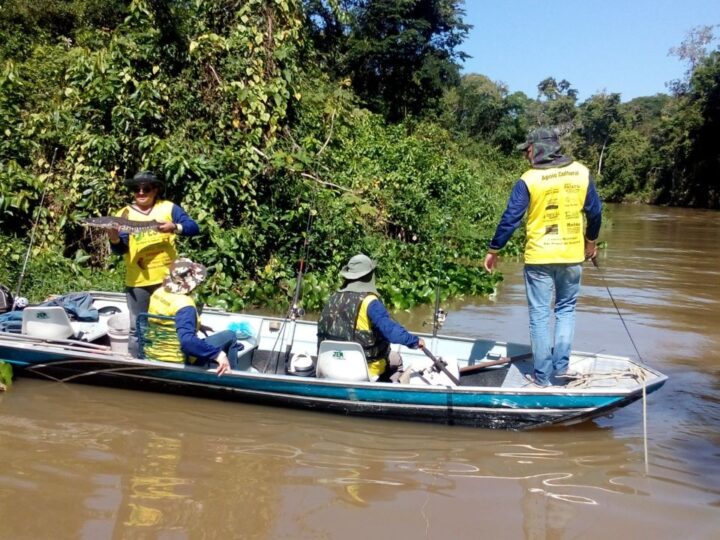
{"x":476,"y":407}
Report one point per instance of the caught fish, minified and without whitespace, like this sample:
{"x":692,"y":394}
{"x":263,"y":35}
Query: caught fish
{"x":120,"y":224}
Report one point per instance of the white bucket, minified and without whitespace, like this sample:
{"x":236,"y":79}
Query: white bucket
{"x":119,"y":332}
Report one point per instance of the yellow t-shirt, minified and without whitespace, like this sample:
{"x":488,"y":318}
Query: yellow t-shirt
{"x":149,"y":252}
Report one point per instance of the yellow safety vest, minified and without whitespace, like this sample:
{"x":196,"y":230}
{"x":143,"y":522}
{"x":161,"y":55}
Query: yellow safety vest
{"x":161,"y":336}
{"x":149,"y":252}
{"x":378,"y":366}
{"x":555,"y":222}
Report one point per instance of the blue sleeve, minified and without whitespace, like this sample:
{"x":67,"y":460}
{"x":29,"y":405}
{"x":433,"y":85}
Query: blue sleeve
{"x":122,"y":246}
{"x":513,"y":215}
{"x":186,"y":326}
{"x":189,"y":225}
{"x":593,"y":212}
{"x":392,"y":331}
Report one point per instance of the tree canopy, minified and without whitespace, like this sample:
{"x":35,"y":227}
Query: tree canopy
{"x":308,"y":129}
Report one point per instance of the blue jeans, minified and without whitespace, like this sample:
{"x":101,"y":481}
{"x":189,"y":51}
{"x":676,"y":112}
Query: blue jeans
{"x":227,"y":341}
{"x":541,"y":281}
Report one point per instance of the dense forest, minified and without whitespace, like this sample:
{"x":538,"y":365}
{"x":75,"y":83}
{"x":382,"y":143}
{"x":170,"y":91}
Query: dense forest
{"x":304,"y":131}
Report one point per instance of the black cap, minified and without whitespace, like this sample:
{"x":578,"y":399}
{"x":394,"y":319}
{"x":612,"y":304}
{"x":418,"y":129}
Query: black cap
{"x":543,"y":135}
{"x":144,"y":177}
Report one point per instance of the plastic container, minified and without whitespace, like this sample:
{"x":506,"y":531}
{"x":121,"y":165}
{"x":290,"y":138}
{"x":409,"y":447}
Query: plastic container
{"x":119,"y":332}
{"x":301,"y":365}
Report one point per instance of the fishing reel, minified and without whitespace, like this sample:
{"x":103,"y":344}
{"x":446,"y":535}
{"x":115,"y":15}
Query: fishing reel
{"x":438,"y":319}
{"x":296,"y":312}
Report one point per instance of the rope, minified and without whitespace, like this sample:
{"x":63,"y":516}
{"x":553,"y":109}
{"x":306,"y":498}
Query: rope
{"x":584,"y":380}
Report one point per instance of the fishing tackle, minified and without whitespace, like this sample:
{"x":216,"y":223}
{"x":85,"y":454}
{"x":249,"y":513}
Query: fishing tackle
{"x":51,"y":171}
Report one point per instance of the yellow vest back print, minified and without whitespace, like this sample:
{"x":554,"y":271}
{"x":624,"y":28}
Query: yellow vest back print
{"x":555,"y":223}
{"x":149,"y":252}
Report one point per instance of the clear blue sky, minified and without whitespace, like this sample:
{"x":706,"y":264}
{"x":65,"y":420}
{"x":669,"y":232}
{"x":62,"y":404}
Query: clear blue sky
{"x":612,"y":45}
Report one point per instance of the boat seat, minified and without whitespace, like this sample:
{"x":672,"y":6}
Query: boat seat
{"x":52,"y":322}
{"x":245,"y":357}
{"x":342,"y":361}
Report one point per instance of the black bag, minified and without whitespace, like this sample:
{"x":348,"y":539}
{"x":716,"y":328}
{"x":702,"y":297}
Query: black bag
{"x":6,"y":299}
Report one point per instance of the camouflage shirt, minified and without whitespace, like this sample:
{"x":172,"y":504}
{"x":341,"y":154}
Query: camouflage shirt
{"x":338,"y":321}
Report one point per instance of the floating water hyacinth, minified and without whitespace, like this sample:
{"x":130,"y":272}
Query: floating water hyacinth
{"x":6,"y":375}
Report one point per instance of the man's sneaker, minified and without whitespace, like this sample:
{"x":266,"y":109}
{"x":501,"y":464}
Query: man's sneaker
{"x":534,"y":383}
{"x":568,"y":375}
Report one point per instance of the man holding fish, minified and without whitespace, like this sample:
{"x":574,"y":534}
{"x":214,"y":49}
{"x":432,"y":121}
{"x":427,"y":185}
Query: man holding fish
{"x":148,"y":252}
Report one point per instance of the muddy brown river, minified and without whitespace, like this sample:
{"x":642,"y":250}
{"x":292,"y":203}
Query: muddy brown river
{"x":82,"y":462}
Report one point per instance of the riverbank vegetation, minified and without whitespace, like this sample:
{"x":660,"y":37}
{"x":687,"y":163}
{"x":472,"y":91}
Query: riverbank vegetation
{"x":302,"y":130}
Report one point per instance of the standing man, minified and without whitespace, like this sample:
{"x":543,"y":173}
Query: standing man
{"x":555,"y":193}
{"x":148,"y":254}
{"x":356,"y":313}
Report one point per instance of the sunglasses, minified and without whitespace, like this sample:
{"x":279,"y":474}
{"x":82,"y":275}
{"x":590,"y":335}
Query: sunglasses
{"x":143,"y":188}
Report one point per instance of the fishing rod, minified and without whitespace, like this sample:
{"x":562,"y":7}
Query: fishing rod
{"x":34,"y":227}
{"x":439,"y":314}
{"x":622,"y":320}
{"x":436,"y":312}
{"x":295,"y":310}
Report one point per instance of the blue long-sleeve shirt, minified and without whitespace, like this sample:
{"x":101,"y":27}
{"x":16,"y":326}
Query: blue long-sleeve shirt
{"x":519,"y":202}
{"x":391,"y":330}
{"x":179,"y":217}
{"x":191,"y":345}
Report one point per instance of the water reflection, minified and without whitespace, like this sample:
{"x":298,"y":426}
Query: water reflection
{"x":130,"y":482}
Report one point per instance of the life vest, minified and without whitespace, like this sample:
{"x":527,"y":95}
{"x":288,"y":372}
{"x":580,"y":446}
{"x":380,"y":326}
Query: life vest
{"x":555,"y":222}
{"x":345,"y":318}
{"x":161,"y":336}
{"x":149,"y":252}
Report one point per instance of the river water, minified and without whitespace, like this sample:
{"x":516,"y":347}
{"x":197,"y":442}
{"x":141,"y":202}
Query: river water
{"x":81,"y":462}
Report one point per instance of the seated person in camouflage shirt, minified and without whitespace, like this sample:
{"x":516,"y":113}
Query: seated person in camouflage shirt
{"x":356,"y":313}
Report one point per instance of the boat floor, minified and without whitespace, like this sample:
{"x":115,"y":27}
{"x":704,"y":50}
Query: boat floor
{"x":502,"y":376}
{"x":594,"y":372}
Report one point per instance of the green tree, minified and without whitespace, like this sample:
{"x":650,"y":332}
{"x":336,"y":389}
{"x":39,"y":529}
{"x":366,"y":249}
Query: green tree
{"x":399,"y":54}
{"x":479,"y":108}
{"x":690,"y":173}
{"x":596,"y":118}
{"x":555,"y":104}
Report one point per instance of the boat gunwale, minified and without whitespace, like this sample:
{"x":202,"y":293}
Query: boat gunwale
{"x":108,"y":356}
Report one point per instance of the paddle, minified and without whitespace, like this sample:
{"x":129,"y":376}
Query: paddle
{"x":440,"y":366}
{"x":468,"y":370}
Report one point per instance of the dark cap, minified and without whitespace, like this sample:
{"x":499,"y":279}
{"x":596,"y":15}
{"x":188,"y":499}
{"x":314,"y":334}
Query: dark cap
{"x":144,"y":177}
{"x":543,"y":135}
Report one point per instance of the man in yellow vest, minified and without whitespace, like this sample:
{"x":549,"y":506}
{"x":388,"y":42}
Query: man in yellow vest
{"x":356,"y":313}
{"x":148,"y":253}
{"x":563,"y":222}
{"x":176,"y":340}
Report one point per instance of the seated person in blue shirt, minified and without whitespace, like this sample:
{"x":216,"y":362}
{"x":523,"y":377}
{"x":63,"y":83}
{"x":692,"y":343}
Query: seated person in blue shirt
{"x":174,"y":299}
{"x":356,"y":313}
